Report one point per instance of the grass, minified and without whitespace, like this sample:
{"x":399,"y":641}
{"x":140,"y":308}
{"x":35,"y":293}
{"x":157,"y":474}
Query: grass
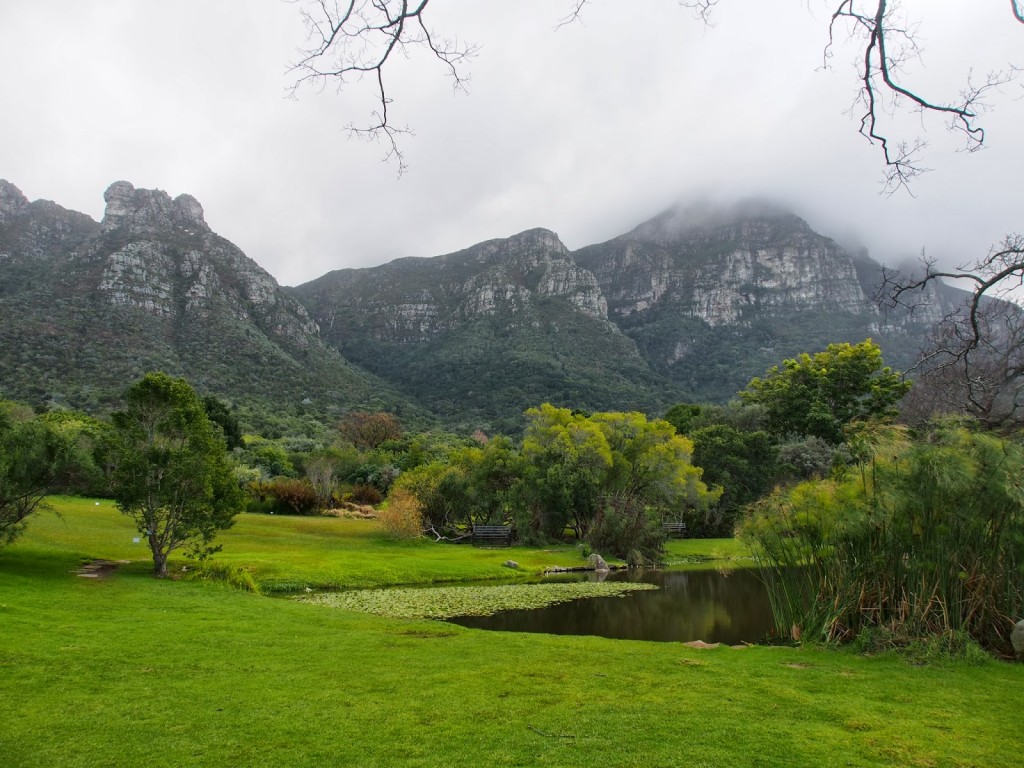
{"x":131,"y":671}
{"x":707,"y":553}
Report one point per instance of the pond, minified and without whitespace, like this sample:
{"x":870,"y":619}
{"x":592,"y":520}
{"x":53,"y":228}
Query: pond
{"x":716,"y":607}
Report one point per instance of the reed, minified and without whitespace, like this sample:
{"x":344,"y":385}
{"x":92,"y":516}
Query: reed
{"x":917,"y":538}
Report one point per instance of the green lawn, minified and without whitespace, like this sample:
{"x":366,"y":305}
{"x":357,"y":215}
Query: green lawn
{"x":131,"y":671}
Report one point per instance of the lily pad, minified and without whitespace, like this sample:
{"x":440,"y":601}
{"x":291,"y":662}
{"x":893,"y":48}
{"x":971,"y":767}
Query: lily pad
{"x":448,"y":602}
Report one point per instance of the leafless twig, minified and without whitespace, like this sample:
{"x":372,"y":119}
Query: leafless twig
{"x":352,"y":40}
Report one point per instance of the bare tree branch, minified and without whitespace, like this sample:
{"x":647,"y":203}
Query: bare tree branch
{"x":975,"y":359}
{"x":996,"y":275}
{"x":981,"y":376}
{"x":352,"y":39}
{"x":348,"y":41}
{"x":702,"y":10}
{"x":888,"y":47}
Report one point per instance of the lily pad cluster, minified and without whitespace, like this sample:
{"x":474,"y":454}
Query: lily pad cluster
{"x":447,"y":602}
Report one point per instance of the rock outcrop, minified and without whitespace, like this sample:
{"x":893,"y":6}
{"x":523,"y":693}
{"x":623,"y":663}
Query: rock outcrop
{"x":726,"y":268}
{"x":89,"y":306}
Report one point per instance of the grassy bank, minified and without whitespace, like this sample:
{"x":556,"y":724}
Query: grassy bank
{"x":129,"y":670}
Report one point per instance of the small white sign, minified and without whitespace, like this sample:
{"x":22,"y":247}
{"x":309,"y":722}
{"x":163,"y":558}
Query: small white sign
{"x":135,"y":540}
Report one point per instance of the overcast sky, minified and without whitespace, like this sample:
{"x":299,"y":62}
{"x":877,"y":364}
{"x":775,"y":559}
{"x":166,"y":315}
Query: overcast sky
{"x":586,"y":130}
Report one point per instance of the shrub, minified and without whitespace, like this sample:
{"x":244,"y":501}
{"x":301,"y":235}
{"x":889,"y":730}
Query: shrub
{"x":286,"y":496}
{"x":625,"y":529}
{"x":922,"y":539}
{"x":401,"y":517}
{"x":364,"y":493}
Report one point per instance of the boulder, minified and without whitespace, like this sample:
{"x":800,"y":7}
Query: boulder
{"x":1017,"y":638}
{"x":597,"y":562}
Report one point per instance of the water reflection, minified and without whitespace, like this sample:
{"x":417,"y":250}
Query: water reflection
{"x":715,"y":607}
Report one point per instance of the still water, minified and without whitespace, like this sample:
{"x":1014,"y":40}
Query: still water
{"x":716,"y":607}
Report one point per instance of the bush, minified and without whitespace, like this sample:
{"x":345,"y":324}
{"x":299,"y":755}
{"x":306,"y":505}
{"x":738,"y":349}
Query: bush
{"x":402,"y":517}
{"x":285,"y":496}
{"x":920,"y":538}
{"x":364,"y":493}
{"x":625,"y":529}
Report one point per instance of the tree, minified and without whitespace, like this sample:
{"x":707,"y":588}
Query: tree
{"x":85,"y":470}
{"x":567,"y":459}
{"x":820,"y":395}
{"x":220,"y":414}
{"x":613,"y":478}
{"x":32,"y":456}
{"x":974,"y":362}
{"x":367,"y":431}
{"x":352,"y":40}
{"x":742,"y":464}
{"x":171,"y":472}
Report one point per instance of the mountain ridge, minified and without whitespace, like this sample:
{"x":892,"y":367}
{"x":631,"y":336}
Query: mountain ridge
{"x":689,"y":304}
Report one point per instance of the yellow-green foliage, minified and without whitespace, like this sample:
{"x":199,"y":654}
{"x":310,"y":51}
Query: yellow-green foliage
{"x":609,"y":476}
{"x":401,"y":517}
{"x":918,"y":538}
{"x":819,"y":395}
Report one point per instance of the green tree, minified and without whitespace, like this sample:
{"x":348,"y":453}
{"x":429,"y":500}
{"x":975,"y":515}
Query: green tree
{"x":567,"y":459}
{"x":683,"y":416}
{"x":32,"y":456}
{"x":220,"y":414}
{"x":85,"y":469}
{"x":820,"y":395}
{"x":171,"y":471}
{"x":613,"y":478}
{"x":742,"y":463}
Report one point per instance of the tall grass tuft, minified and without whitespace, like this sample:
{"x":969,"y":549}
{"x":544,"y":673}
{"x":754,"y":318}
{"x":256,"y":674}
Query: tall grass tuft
{"x":402,"y":517}
{"x":919,"y":539}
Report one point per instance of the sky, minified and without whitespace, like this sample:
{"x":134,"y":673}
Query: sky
{"x":586,"y":129}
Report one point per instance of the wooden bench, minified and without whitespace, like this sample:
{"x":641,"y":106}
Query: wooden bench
{"x":674,"y":529}
{"x":492,"y":534}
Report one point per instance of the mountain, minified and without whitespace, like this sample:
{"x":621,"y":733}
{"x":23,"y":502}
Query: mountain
{"x":89,"y":307}
{"x":688,"y":306}
{"x":480,"y":335}
{"x":713,"y":296}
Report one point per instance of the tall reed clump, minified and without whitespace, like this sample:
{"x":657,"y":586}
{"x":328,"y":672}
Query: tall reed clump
{"x":917,"y":538}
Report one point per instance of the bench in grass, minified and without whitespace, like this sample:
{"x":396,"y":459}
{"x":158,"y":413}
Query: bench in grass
{"x":492,"y":534}
{"x":674,"y":529}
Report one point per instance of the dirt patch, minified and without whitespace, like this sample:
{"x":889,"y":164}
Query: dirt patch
{"x":99,"y":569}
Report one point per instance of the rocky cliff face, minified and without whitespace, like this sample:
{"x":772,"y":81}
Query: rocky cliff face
{"x":158,"y":255}
{"x":413,"y":300}
{"x":89,"y":306}
{"x":484,"y":333}
{"x":704,"y":297}
{"x":726,"y":268}
{"x":689,"y":305}
{"x":714,"y":296}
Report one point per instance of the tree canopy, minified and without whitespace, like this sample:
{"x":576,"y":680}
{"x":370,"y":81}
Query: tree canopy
{"x":613,"y":478}
{"x":32,"y":455}
{"x":819,"y":395}
{"x":171,"y":473}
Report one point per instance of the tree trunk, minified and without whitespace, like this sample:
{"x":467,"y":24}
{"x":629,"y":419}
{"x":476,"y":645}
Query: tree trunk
{"x":160,"y":565}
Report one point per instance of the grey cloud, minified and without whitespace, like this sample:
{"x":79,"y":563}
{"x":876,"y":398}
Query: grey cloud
{"x":587,"y":130}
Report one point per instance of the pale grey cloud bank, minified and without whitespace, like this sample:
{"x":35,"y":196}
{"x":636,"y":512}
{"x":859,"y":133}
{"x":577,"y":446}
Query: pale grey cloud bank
{"x":586,"y":130}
